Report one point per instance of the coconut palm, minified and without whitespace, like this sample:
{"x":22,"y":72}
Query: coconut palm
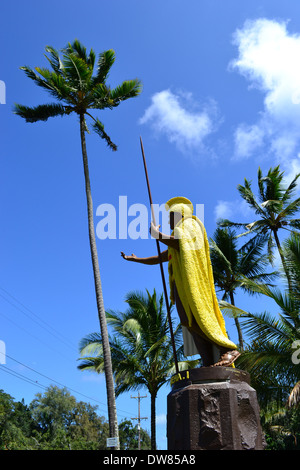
{"x":75,"y":87}
{"x":275,"y":208}
{"x":273,"y":356}
{"x":142,"y":354}
{"x":232,"y":263}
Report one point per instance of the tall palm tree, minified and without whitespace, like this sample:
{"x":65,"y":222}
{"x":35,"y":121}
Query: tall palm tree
{"x":78,"y":90}
{"x":275,"y":208}
{"x":271,"y":357}
{"x":142,"y":354}
{"x":231,"y":264}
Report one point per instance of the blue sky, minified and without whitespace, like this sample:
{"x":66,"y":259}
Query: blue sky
{"x":221,"y":95}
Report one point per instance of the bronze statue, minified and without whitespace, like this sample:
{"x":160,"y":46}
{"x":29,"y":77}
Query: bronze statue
{"x":191,"y":285}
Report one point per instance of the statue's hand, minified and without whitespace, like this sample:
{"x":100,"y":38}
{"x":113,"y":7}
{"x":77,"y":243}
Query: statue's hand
{"x":128,"y":258}
{"x":154,"y":230}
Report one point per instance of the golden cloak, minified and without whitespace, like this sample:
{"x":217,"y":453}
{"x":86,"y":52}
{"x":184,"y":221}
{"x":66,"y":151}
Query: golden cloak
{"x":191,"y":270}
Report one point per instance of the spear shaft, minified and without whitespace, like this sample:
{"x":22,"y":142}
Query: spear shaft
{"x":160,"y":262}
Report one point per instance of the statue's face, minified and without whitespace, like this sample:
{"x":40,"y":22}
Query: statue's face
{"x":175,"y":217}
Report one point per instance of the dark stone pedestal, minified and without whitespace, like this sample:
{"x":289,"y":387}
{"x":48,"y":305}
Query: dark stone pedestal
{"x":213,"y":408}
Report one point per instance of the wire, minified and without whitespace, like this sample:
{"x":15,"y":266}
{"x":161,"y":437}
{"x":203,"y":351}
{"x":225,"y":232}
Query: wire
{"x":56,"y":333}
{"x":33,"y":336}
{"x":47,"y":327}
{"x":49,"y":378}
{"x":20,"y":376}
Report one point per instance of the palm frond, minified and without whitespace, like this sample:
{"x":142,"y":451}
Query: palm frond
{"x":247,"y":194}
{"x":99,"y":97}
{"x":291,"y":209}
{"x":218,"y":257}
{"x":40,"y":113}
{"x":261,"y":193}
{"x":257,"y":226}
{"x":80,"y":50}
{"x":231,"y":310}
{"x":270,"y":249}
{"x":267,"y":364}
{"x":36,"y":78}
{"x":259,"y":358}
{"x":105,"y":62}
{"x":294,"y":397}
{"x":92,"y":364}
{"x":272,"y":206}
{"x":54,"y":59}
{"x":290,"y":189}
{"x":99,"y":129}
{"x":58,"y":86}
{"x":273,"y":184}
{"x":262,"y":288}
{"x":141,"y":349}
{"x":77,"y":71}
{"x":295,"y":223}
{"x":252,"y":260}
{"x":267,"y":328}
{"x":90,"y":344}
{"x":128,"y":89}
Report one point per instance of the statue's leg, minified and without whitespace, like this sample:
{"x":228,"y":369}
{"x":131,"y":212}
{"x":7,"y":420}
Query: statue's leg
{"x":203,"y":345}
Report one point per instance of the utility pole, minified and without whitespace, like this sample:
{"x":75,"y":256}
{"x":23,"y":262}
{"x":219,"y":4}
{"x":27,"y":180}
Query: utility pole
{"x":139,"y":416}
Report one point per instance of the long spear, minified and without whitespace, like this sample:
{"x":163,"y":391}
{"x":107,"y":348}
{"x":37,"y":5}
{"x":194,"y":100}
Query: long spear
{"x":160,"y":262}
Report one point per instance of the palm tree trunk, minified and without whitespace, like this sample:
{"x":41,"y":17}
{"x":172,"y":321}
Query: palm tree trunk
{"x":237,"y":324}
{"x":153,"y":421}
{"x":111,"y":402}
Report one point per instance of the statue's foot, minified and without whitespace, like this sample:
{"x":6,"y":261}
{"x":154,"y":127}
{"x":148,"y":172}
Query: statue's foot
{"x":227,"y":359}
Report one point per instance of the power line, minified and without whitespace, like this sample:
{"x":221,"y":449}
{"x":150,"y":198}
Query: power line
{"x":48,"y":378}
{"x":54,"y":332}
{"x":22,"y":377}
{"x":35,"y":382}
{"x":35,"y":337}
{"x":36,"y":319}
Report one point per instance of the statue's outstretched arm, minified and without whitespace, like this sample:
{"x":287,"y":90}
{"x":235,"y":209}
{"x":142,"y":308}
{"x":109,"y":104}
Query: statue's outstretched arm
{"x":150,"y":260}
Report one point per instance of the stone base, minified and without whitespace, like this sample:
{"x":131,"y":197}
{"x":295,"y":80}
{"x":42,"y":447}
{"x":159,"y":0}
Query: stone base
{"x":213,"y":408}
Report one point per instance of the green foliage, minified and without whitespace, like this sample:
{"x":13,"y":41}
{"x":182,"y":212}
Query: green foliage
{"x":231,"y":264}
{"x":271,"y":338}
{"x":72,"y":82}
{"x":275,"y":375}
{"x":141,"y":346}
{"x":16,"y":424}
{"x":39,"y":113}
{"x":141,"y":349}
{"x":282,"y":428}
{"x":274,"y":207}
{"x":56,"y":421}
{"x":129,"y":436}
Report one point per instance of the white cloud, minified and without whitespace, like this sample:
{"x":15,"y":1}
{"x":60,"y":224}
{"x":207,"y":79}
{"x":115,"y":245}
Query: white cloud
{"x":268,"y":56}
{"x":247,"y":139}
{"x":224,"y":210}
{"x":176,"y":116}
{"x":293,"y":170}
{"x":237,"y":210}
